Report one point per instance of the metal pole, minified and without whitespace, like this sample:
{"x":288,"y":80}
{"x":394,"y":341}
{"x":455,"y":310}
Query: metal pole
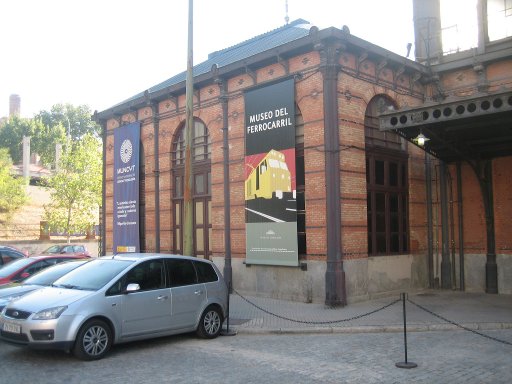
{"x":188,"y":247}
{"x":228,"y":332}
{"x":405,"y":364}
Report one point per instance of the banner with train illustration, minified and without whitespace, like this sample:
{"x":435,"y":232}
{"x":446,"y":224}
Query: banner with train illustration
{"x":270,"y":175}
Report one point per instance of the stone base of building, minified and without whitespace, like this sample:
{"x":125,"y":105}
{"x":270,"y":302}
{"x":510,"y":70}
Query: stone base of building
{"x":365,"y":278}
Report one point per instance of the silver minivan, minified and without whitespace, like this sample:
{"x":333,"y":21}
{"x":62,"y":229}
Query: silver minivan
{"x":116,"y":299}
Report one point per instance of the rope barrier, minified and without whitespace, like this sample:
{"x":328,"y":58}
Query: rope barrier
{"x":459,"y":325}
{"x":316,"y":322}
{"x":370,"y":313}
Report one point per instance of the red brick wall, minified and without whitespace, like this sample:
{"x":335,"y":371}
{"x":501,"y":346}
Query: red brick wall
{"x":358,"y":82}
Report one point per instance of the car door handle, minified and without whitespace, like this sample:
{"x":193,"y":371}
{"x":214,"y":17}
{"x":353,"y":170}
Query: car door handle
{"x":198,"y":292}
{"x":163,"y":297}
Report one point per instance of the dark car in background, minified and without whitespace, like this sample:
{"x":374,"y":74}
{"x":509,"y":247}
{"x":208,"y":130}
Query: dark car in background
{"x":8,"y":254}
{"x":20,"y":269}
{"x":68,"y":249}
{"x":43,"y":278}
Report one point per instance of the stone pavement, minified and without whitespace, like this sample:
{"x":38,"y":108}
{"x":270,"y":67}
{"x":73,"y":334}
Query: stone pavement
{"x":475,"y":311}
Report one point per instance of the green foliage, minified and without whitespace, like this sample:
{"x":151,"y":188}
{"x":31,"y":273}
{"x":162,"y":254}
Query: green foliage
{"x":11,"y":135}
{"x":12,"y":190}
{"x":63,"y":124}
{"x":75,"y":120}
{"x":44,"y":141}
{"x":47,"y":129}
{"x":76,"y":187}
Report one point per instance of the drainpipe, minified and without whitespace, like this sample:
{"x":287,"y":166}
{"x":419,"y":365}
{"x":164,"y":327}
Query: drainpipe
{"x":446,"y":267}
{"x":461,"y":228}
{"x":228,"y":273}
{"x":335,"y":294}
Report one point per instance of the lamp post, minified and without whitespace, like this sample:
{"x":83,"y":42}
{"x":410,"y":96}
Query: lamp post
{"x":69,"y":124}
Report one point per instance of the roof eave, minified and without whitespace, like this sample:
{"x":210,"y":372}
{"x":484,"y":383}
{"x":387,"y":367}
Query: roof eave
{"x":290,"y":49}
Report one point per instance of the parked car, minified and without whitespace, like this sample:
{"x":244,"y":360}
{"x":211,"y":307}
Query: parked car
{"x":43,"y":278}
{"x":22,"y":268}
{"x":116,"y":299}
{"x":8,"y":254}
{"x":68,"y":249}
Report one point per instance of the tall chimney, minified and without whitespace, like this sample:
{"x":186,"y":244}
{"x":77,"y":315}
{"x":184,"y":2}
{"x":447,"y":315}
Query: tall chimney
{"x":427,"y":31}
{"x":14,"y":105}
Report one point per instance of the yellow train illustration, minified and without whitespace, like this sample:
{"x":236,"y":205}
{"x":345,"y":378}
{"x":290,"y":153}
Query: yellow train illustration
{"x":270,"y":178}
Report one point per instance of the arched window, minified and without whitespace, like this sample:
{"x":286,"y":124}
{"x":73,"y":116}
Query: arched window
{"x":201,"y":190}
{"x":387,"y":184}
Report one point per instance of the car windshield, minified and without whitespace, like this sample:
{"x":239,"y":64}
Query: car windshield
{"x":49,"y":275}
{"x":14,"y":266}
{"x":93,"y":275}
{"x":53,"y":249}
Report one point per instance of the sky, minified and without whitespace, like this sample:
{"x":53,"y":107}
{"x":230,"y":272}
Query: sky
{"x":102,"y":52}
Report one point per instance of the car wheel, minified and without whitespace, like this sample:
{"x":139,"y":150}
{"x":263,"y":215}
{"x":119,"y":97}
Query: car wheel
{"x":93,"y":340}
{"x":210,"y":324}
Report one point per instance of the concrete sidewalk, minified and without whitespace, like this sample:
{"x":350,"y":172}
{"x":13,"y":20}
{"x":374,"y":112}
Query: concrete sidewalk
{"x":476,"y":311}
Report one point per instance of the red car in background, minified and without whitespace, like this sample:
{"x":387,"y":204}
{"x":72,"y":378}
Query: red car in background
{"x":18,"y":270}
{"x":9,"y":254}
{"x":67,"y":249}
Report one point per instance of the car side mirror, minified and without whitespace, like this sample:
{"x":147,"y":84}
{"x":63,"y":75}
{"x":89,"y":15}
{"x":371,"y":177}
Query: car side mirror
{"x":132,"y":287}
{"x":24,"y":275}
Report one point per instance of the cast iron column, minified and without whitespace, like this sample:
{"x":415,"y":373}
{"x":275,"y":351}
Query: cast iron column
{"x":156,"y":129}
{"x":446,"y":266}
{"x":334,"y":276}
{"x":491,"y":268}
{"x":103,"y":226}
{"x":430,"y":235}
{"x":461,"y":228}
{"x":228,"y":273}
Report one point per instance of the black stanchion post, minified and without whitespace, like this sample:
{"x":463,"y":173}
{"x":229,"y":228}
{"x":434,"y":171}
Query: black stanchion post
{"x":228,"y":332}
{"x":405,"y":364}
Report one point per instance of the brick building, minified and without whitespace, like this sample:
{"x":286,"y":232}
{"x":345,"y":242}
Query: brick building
{"x":376,"y":208}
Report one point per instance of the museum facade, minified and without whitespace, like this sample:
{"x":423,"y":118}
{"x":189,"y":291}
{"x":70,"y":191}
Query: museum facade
{"x":324,"y":168}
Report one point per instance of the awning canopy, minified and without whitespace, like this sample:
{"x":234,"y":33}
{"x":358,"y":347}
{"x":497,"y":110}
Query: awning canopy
{"x":471,"y":129}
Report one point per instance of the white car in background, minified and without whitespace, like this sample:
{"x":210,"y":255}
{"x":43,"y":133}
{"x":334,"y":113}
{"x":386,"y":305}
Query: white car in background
{"x":41,"y":279}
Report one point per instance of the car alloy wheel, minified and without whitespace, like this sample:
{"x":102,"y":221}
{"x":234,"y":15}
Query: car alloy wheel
{"x":210,"y":324}
{"x":93,"y":340}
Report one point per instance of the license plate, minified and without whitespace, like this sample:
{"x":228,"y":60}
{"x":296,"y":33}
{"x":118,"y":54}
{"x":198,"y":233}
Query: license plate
{"x":13,"y":328}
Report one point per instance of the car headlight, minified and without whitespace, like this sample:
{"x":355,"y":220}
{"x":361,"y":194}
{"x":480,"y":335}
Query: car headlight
{"x":50,"y":313}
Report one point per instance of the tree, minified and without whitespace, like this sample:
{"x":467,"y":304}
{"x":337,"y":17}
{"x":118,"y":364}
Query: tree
{"x":64,"y":124}
{"x":76,"y":188}
{"x":11,"y":135}
{"x":12,"y":191}
{"x":75,"y":119}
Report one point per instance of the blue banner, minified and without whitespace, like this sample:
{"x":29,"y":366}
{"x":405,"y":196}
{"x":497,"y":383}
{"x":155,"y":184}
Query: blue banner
{"x":126,"y":188}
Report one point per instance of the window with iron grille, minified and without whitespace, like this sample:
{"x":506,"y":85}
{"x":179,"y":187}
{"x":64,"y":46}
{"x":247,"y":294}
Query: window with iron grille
{"x":387,"y":185}
{"x":201,"y":189}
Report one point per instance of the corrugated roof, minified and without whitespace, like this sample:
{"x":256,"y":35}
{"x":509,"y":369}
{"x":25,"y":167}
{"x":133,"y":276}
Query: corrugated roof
{"x":261,"y":43}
